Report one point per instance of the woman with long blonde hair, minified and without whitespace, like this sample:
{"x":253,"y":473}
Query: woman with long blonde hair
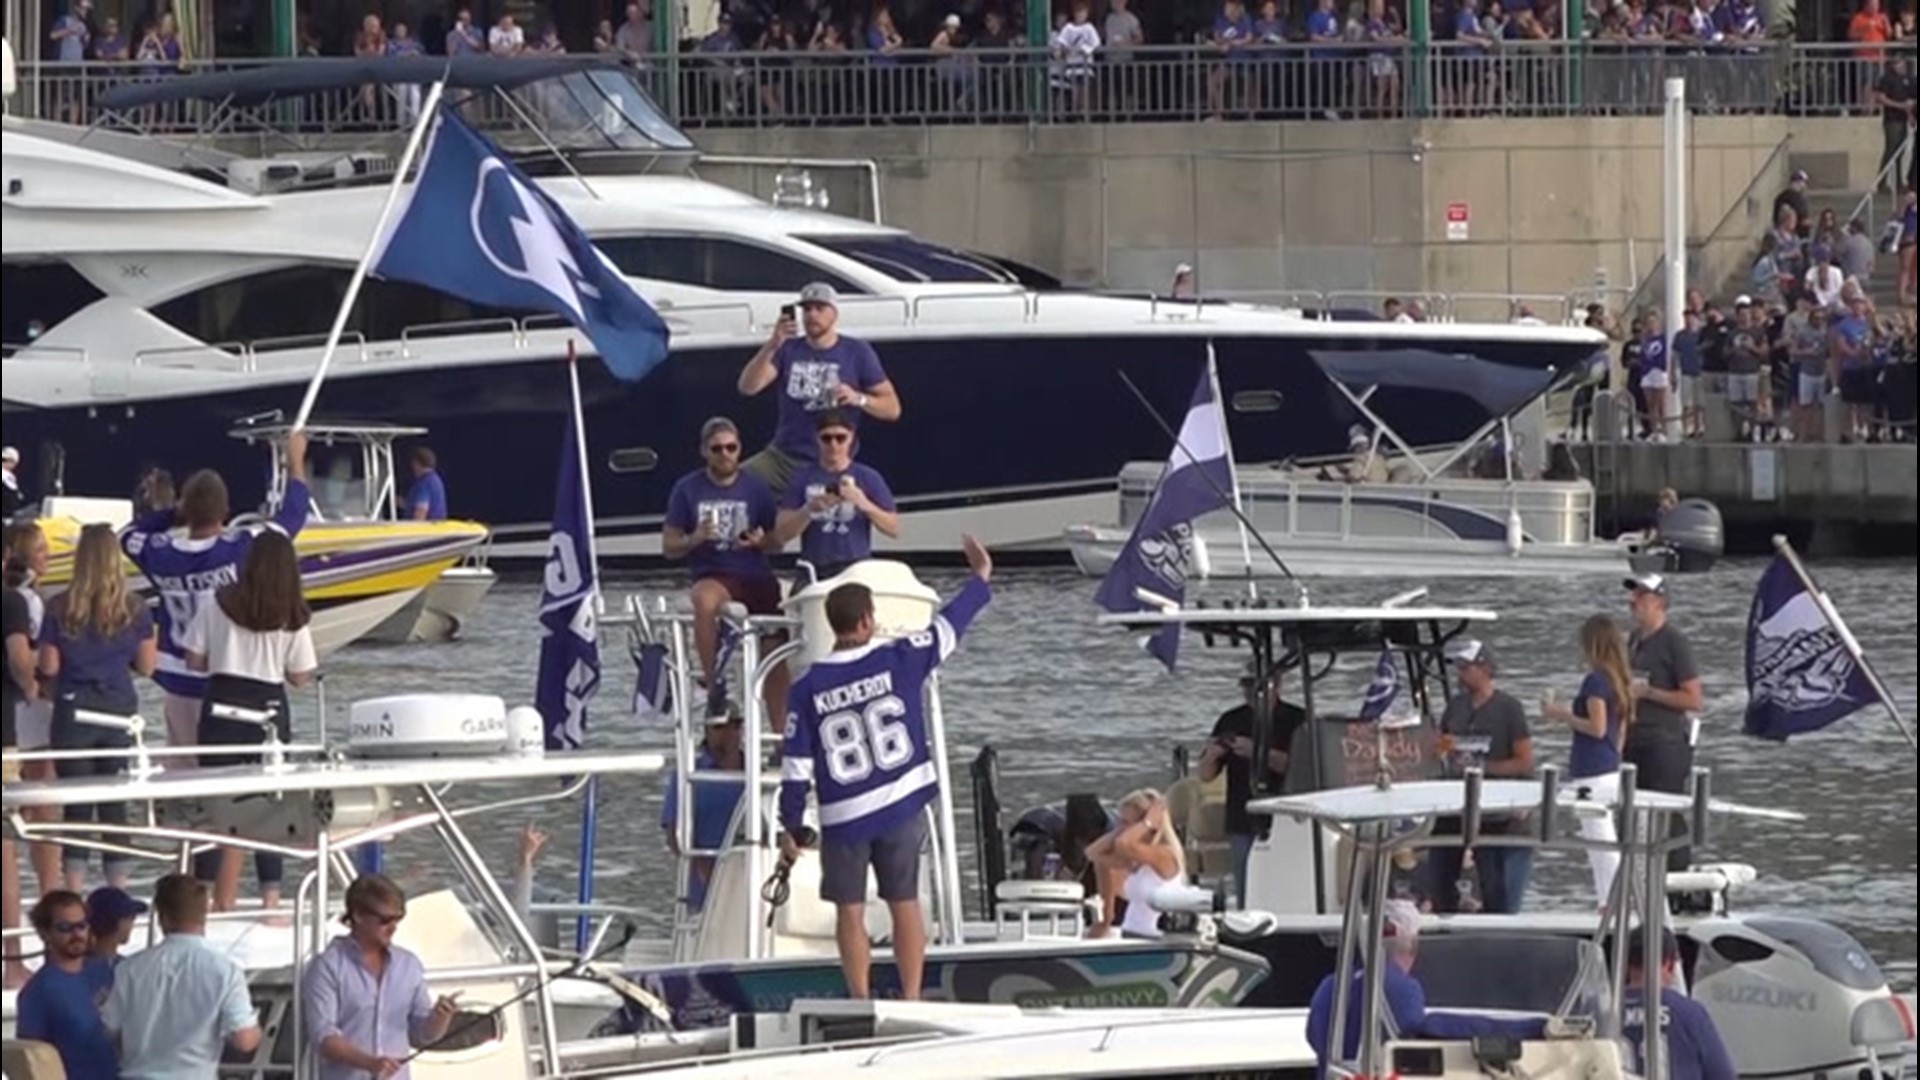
{"x":1134,"y":861}
{"x":1599,"y":717}
{"x":96,"y":637}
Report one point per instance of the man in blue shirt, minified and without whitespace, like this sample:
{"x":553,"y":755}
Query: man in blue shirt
{"x":824,"y":370}
{"x":1406,"y":1014}
{"x":856,"y":730}
{"x":1693,"y":1045}
{"x":176,"y":1006}
{"x":714,"y":802}
{"x":721,"y":520}
{"x":60,"y":1005}
{"x":834,"y":506}
{"x":427,"y":498}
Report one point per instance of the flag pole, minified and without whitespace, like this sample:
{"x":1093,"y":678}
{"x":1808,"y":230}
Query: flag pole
{"x":590,"y":806}
{"x":429,"y":112}
{"x":1233,"y":475}
{"x":1847,"y":640}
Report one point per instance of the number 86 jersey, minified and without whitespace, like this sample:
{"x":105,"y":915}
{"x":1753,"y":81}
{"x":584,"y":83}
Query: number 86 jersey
{"x":857,"y":728}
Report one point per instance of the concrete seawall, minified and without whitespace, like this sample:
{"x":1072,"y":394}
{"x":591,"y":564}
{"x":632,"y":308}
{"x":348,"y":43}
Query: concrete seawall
{"x":1832,"y":500}
{"x":1325,"y":206}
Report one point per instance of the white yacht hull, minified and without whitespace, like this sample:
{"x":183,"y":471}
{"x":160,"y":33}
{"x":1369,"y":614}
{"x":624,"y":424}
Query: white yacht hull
{"x":439,"y":612}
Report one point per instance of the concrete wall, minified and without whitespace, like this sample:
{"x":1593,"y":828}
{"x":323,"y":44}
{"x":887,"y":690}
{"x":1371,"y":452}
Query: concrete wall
{"x":1359,"y":205}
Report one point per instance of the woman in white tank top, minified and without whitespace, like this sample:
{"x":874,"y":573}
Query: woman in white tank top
{"x":1135,"y":861}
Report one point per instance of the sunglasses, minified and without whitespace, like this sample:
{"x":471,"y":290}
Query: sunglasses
{"x":382,"y":918}
{"x":64,"y":927}
{"x":724,"y":448}
{"x":835,"y":437}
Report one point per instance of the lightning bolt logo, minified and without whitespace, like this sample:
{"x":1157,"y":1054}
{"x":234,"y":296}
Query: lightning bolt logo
{"x":545,"y":260}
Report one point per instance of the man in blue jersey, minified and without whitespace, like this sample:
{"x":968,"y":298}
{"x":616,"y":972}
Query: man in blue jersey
{"x":1406,"y":1014}
{"x":1693,"y":1045}
{"x":186,"y":571}
{"x":856,"y":730}
{"x":427,"y":498}
{"x":834,"y":506}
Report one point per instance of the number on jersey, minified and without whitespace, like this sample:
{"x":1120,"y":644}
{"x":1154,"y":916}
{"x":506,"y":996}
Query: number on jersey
{"x":859,"y":741}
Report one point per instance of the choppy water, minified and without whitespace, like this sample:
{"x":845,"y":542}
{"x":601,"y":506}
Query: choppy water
{"x":1074,"y":707}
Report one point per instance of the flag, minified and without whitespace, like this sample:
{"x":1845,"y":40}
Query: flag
{"x":652,"y":691}
{"x":475,"y":226}
{"x":1159,"y":554}
{"x":569,"y":641}
{"x":1803,"y":670}
{"x":1383,"y":690}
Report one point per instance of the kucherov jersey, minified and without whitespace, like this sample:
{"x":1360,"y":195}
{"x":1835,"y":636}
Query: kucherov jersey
{"x":186,"y":573}
{"x":857,"y":729}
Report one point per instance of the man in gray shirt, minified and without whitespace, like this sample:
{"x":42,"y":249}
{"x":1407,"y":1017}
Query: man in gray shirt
{"x":1485,"y":728}
{"x":1666,"y":685}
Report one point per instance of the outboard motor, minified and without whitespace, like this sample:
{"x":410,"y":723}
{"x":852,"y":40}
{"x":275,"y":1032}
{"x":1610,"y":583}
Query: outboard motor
{"x":1692,"y":538}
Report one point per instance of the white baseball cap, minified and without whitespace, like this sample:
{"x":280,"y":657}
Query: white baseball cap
{"x":1402,"y":919}
{"x":1647,"y":583}
{"x":9,"y":455}
{"x":1469,"y":651}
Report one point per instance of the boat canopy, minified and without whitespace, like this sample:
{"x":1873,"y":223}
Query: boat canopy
{"x":1498,"y":389}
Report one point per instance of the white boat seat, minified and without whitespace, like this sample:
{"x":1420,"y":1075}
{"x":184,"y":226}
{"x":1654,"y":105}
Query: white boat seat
{"x":1201,"y":812}
{"x":1027,"y":909}
{"x":803,"y":926}
{"x":25,"y":1059}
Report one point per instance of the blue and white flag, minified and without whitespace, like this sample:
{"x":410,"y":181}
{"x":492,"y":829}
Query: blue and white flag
{"x":1804,"y":670}
{"x":1159,"y":555}
{"x":475,"y":226}
{"x":652,"y":690}
{"x":1383,"y":690}
{"x":569,"y":641}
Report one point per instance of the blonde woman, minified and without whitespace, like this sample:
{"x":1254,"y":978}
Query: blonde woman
{"x":1599,"y":717}
{"x":96,"y":637}
{"x":1134,"y":862}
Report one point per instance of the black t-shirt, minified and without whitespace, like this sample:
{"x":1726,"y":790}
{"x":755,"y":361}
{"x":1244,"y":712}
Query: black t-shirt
{"x":17,"y":620}
{"x":1713,"y":346}
{"x":1897,"y":86}
{"x":1236,"y":722}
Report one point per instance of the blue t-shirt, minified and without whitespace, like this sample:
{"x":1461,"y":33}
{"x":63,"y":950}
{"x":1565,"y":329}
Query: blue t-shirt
{"x":736,"y":509}
{"x":1591,"y":756}
{"x":1853,"y":331}
{"x":1466,"y":26}
{"x":1235,"y":30}
{"x":840,"y":534}
{"x":430,"y":491}
{"x":97,"y":669}
{"x":1406,"y":1011}
{"x":713,"y":807}
{"x":1653,"y":353}
{"x":806,"y":377}
{"x":1694,"y":1048}
{"x":1686,"y":349}
{"x":63,"y":1010}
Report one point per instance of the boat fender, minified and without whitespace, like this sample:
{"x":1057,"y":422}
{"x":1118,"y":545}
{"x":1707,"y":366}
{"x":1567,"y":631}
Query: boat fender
{"x":427,"y":725}
{"x":526,"y":731}
{"x":1516,"y":534}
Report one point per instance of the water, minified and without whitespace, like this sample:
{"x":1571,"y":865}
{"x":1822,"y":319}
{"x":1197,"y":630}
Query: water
{"x":1071,"y":706}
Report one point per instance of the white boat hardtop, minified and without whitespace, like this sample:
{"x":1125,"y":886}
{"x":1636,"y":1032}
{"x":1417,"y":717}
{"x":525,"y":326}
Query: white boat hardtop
{"x":1434,"y":798}
{"x":1230,"y":616}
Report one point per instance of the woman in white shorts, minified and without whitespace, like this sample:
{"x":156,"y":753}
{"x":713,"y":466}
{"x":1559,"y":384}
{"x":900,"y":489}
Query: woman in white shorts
{"x":27,"y":555}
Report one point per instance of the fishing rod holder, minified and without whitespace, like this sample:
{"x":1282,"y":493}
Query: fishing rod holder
{"x":134,"y":726}
{"x":273,"y":752}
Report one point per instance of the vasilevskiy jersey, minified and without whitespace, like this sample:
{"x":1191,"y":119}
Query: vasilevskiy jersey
{"x":856,"y":728}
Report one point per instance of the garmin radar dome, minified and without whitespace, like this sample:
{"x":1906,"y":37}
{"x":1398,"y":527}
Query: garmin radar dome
{"x":428,"y":725}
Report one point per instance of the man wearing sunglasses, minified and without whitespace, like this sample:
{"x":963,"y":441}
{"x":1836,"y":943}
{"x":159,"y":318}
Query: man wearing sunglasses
{"x":834,"y":506}
{"x":720,"y":518}
{"x":60,"y":1005}
{"x":365,"y":998}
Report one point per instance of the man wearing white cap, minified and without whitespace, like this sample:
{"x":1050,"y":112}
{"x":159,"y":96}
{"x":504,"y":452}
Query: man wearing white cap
{"x":1667,"y":687}
{"x":10,"y":497}
{"x":823,"y":370}
{"x":1485,"y":727}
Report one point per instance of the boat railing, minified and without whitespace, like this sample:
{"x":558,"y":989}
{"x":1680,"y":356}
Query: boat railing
{"x":411,"y":336}
{"x":224,"y":356}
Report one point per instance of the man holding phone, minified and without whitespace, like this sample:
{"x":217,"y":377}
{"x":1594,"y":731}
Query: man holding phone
{"x":1230,"y":749}
{"x":824,"y":370}
{"x":1668,"y":692}
{"x":835,"y":505}
{"x":365,"y":998}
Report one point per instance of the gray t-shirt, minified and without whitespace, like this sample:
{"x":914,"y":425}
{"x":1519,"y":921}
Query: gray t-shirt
{"x":1483,"y":733}
{"x":1665,"y":660}
{"x":1123,"y":29}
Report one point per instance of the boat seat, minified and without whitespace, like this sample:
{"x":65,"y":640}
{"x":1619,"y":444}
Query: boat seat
{"x":26,"y":1059}
{"x":803,"y":926}
{"x":1024,"y":909}
{"x":1201,"y":812}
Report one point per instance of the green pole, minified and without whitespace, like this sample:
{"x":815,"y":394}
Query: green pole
{"x":1039,"y":22}
{"x":666,"y":48}
{"x":1039,"y":33}
{"x":1576,"y":45}
{"x":285,"y":34}
{"x":1420,"y":26}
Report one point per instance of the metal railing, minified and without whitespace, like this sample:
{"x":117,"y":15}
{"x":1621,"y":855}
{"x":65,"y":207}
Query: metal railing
{"x":1385,"y":80}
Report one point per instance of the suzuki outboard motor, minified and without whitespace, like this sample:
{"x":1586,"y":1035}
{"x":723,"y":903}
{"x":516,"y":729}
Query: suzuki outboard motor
{"x":1696,"y":534}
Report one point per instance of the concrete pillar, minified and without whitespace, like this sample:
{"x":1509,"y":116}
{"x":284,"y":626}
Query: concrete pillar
{"x":1833,"y":419}
{"x":1716,"y":415}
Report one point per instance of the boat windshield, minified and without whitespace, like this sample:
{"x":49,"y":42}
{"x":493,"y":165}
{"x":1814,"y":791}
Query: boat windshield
{"x":597,"y":109}
{"x":912,"y":260}
{"x":1540,"y":974}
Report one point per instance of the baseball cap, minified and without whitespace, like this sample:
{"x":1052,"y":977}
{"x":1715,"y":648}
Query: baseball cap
{"x":1800,"y":176}
{"x":9,"y":455}
{"x":1469,"y":651}
{"x":820,"y":292}
{"x":1744,"y":301}
{"x":1401,"y":919}
{"x":107,"y":905}
{"x":729,"y":713}
{"x":1183,"y":268}
{"x":1648,"y":583}
{"x":1669,"y":945}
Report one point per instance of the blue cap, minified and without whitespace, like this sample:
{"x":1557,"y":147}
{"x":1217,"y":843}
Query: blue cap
{"x":106,"y":906}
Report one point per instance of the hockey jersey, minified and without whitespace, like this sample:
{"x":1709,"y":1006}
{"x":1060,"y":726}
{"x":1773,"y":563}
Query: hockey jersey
{"x":857,"y":730}
{"x":187,"y":572}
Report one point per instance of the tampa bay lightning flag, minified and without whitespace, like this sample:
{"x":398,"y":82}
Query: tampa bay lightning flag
{"x":475,"y":226}
{"x":1804,"y":670}
{"x":1383,"y":690}
{"x":569,"y":640}
{"x":1159,"y":555}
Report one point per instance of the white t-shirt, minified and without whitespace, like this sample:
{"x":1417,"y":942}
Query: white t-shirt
{"x":1826,"y":288}
{"x":263,"y":656}
{"x":507,"y":41}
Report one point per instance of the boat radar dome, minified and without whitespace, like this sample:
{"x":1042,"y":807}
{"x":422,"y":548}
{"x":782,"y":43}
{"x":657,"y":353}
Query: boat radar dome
{"x":428,"y":725}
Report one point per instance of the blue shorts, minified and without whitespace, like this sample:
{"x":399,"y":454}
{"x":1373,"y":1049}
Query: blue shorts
{"x":894,"y":857}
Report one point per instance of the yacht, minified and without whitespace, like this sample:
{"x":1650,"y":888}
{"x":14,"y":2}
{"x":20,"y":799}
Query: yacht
{"x":161,"y":290}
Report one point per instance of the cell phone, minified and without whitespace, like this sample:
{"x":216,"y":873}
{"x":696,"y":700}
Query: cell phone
{"x":787,"y":311}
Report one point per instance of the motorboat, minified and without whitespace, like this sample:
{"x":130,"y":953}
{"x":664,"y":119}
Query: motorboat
{"x":355,"y":480}
{"x":1390,"y":509}
{"x":1793,"y":996}
{"x":160,"y":290}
